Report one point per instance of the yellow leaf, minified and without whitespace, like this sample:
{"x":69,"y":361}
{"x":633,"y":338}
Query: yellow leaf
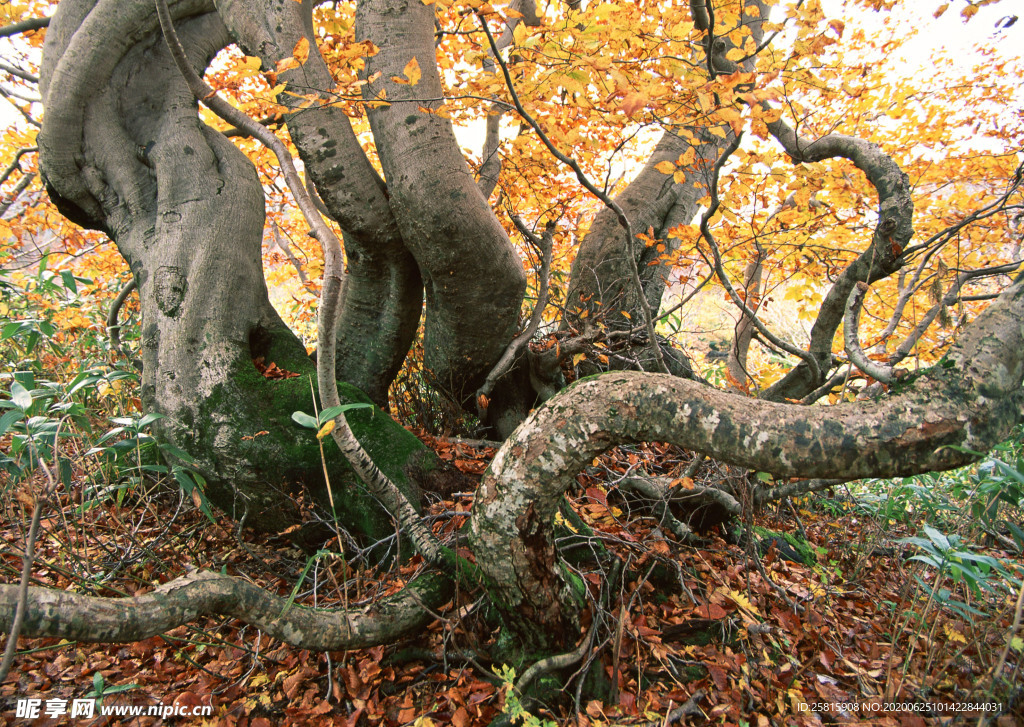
{"x":953,"y":635}
{"x":577,"y":358}
{"x":286,"y":64}
{"x":941,"y":9}
{"x":411,"y":72}
{"x":665,"y":167}
{"x":301,"y":51}
{"x":326,"y":429}
{"x":560,"y":520}
{"x":969,"y":12}
{"x":251,"y":64}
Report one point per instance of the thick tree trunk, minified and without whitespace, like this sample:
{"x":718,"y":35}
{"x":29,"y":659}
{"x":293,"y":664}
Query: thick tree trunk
{"x":123,"y":150}
{"x":474,"y":279}
{"x":383,"y":293}
{"x":600,"y":278}
{"x":736,"y":364}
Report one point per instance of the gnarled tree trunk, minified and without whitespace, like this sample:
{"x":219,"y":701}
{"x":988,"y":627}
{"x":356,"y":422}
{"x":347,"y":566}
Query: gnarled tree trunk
{"x":123,"y":150}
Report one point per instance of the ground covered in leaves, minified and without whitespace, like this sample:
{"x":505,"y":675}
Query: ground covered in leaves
{"x":734,"y":631}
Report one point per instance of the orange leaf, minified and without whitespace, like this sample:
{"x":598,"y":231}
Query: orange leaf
{"x":301,"y":51}
{"x":633,"y":103}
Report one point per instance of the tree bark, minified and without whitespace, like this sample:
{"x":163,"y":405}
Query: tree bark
{"x":383,"y":293}
{"x":77,"y":616}
{"x":123,"y":150}
{"x":474,"y":279}
{"x":970,"y":400}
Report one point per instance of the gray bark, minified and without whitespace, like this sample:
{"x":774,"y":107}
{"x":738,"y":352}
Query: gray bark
{"x":600,"y":276}
{"x":123,"y":150}
{"x":81,"y":617}
{"x":971,"y":400}
{"x":383,"y":291}
{"x":474,"y":279}
{"x":881,"y":259}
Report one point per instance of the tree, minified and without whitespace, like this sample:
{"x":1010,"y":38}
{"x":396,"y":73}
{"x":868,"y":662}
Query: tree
{"x":123,"y":150}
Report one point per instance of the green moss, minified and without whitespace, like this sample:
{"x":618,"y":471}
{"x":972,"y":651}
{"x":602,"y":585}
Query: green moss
{"x":288,"y":454}
{"x":577,"y":587}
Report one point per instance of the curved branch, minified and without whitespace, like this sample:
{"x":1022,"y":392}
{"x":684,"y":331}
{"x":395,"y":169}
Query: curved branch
{"x":80,"y":617}
{"x":883,"y":256}
{"x":876,"y":370}
{"x":113,"y":329}
{"x":970,"y":401}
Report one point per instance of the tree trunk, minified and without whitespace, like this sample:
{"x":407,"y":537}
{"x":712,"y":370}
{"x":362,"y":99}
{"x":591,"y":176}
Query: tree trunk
{"x":474,"y":279}
{"x":123,"y":150}
{"x":383,"y":293}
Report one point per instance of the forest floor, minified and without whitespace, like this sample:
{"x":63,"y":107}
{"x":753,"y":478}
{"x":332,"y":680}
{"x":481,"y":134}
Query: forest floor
{"x":715,"y":634}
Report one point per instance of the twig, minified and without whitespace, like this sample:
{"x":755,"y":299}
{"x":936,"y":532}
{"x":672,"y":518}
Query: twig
{"x":22,"y":74}
{"x":1017,"y":612}
{"x":16,"y":192}
{"x":26,"y":574}
{"x":15,"y":164}
{"x":686,"y":708}
{"x":113,"y":329}
{"x":716,"y":261}
{"x":512,"y":352}
{"x":23,"y":26}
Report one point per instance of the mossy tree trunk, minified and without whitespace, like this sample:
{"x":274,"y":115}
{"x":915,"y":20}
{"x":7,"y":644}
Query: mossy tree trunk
{"x":123,"y":150}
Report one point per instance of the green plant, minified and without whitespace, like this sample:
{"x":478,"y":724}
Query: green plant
{"x":100,"y":690}
{"x":951,"y":558}
{"x":514,"y":708}
{"x":903,"y":499}
{"x":994,"y":492}
{"x":131,"y":453}
{"x":35,"y":416}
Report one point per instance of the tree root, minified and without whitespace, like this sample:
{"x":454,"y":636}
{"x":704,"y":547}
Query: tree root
{"x":61,"y":614}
